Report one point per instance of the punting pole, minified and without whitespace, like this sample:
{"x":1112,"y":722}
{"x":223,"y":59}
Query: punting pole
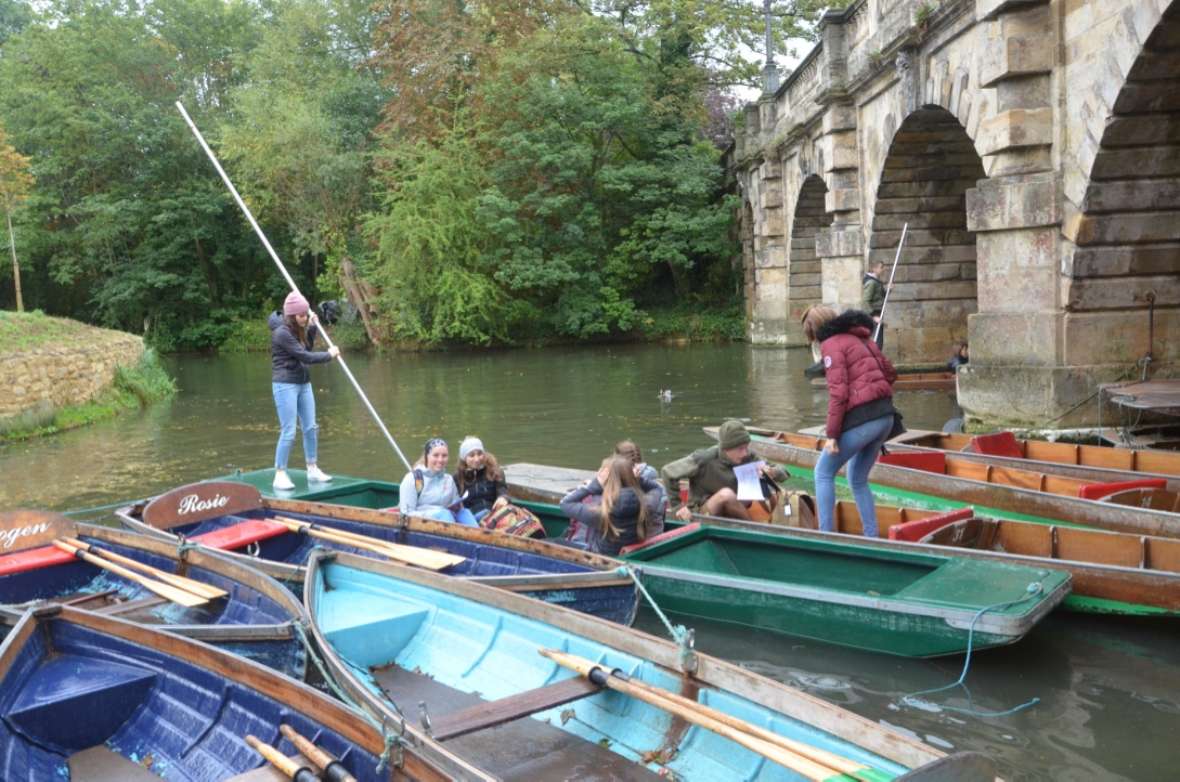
{"x":290,"y":282}
{"x":900,"y":243}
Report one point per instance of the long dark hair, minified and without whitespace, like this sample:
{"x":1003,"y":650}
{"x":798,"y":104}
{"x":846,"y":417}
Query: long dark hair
{"x":298,"y":331}
{"x":491,"y":469}
{"x":620,"y":475}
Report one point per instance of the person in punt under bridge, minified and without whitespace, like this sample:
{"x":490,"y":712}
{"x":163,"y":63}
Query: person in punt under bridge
{"x":292,"y":336}
{"x":712,"y":484}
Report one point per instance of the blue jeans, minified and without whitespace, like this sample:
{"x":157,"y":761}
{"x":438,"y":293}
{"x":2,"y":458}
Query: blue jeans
{"x":859,"y":447}
{"x":295,"y":400}
{"x":463,"y":516}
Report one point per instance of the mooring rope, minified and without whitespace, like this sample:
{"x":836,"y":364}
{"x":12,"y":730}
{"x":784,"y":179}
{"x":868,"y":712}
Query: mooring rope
{"x":1035,"y":588}
{"x":683,"y":636}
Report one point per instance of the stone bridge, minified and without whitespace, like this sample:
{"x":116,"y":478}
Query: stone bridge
{"x":1033,"y":149}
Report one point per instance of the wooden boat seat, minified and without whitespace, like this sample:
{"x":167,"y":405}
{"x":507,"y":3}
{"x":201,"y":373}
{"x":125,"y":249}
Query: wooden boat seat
{"x":33,"y":559}
{"x":1094,"y":491}
{"x":997,"y":444}
{"x":101,"y":764}
{"x":241,"y":534}
{"x":523,"y":748}
{"x":488,"y":714}
{"x":663,"y":536}
{"x":66,"y":686}
{"x":918,"y":529}
{"x":928,"y":462}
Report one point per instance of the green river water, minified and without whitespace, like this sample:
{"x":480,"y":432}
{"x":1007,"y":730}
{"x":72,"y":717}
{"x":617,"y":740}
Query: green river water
{"x":1109,"y":688}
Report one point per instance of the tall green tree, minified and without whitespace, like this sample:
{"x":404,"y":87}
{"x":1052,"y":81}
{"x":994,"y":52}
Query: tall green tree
{"x":15,"y":182}
{"x":298,"y":138}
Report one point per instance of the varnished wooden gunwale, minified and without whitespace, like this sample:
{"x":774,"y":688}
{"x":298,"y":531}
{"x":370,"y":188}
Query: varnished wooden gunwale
{"x":709,"y":672}
{"x":295,"y":573}
{"x":1148,"y":462}
{"x":921,"y":441}
{"x":423,"y":758}
{"x":1015,"y":494}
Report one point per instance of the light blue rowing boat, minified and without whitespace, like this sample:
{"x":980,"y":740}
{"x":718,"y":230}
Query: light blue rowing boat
{"x":465,"y":660}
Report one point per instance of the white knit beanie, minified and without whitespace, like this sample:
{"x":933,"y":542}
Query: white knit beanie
{"x":468,"y":445}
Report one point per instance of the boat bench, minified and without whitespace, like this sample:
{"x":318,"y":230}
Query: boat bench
{"x":1094,"y":491}
{"x":67,"y":686}
{"x":241,"y":534}
{"x":361,"y":629}
{"x":33,"y":559}
{"x":920,"y":528}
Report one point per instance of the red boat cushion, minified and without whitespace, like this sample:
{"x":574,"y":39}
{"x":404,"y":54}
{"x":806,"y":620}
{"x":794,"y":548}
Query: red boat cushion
{"x":998,"y":444}
{"x":33,"y":559}
{"x":241,"y":534}
{"x":930,"y":462}
{"x":654,"y":539}
{"x":1093,"y":491}
{"x":916,"y":530}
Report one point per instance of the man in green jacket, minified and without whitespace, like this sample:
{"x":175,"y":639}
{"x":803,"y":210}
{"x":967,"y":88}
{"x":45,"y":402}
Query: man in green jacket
{"x":872,"y":297}
{"x":711,"y":480}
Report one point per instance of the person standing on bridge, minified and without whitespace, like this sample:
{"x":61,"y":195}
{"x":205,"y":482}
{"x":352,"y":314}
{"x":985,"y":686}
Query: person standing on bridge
{"x":292,"y":336}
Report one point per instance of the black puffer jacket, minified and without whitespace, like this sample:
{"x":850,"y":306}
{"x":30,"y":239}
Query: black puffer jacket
{"x":481,"y":491}
{"x":289,"y":359}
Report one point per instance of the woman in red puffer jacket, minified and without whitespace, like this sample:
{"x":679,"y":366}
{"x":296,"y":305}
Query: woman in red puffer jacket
{"x":860,"y":408}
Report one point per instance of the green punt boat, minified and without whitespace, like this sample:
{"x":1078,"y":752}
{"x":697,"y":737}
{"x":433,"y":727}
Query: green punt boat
{"x":914,"y":604}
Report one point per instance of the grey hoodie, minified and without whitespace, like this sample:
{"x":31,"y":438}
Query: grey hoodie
{"x":289,"y":359}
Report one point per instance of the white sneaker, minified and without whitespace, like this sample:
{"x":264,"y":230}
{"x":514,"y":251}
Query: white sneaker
{"x":314,"y":473}
{"x":282,"y":481}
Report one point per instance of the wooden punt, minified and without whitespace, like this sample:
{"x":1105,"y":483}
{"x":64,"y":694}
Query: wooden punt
{"x":93,"y":698}
{"x":895,"y":601}
{"x":470,"y":657}
{"x":236,"y":519}
{"x":255,"y":618}
{"x":960,"y":481}
{"x":1113,"y":572}
{"x":1096,"y":463}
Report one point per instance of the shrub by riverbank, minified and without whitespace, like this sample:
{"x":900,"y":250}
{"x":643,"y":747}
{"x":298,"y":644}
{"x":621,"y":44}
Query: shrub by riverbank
{"x":684,"y":322}
{"x":53,"y":352}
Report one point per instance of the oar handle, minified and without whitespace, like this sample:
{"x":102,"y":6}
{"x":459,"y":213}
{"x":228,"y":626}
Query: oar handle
{"x":283,"y":763}
{"x":333,"y":770}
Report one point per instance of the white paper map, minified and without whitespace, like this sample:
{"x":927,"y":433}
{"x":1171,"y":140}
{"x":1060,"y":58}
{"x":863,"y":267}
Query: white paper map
{"x":749,"y":486}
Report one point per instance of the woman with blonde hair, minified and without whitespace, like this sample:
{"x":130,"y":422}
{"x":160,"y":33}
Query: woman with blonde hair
{"x":627,"y":510}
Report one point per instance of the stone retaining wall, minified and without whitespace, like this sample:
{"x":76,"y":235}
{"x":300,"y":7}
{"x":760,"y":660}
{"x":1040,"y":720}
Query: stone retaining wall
{"x":64,"y":375}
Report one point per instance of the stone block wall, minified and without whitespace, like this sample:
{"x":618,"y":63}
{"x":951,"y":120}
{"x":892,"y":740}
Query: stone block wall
{"x":64,"y":375}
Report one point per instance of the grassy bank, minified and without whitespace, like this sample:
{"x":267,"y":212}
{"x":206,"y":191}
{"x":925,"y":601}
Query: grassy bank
{"x":132,"y":389}
{"x":27,"y":330}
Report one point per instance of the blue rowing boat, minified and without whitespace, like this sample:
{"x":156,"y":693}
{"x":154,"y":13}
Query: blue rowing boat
{"x":482,"y":667}
{"x":261,"y":533}
{"x":92,"y":698}
{"x":242,"y":610}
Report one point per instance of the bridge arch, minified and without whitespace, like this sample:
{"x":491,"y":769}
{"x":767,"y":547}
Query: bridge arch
{"x":930,"y":165}
{"x":1126,"y":253}
{"x":804,"y":272}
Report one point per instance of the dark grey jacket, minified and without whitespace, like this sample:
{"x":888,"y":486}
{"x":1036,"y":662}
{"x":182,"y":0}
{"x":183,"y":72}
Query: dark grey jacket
{"x":624,"y":516}
{"x":289,"y":359}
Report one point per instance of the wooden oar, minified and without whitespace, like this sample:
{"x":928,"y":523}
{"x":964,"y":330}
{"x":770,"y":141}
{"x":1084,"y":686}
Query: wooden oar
{"x":839,"y":763}
{"x":283,"y":763}
{"x":166,"y":591}
{"x":333,"y":770}
{"x":207,"y":591}
{"x":731,"y":728}
{"x":432,"y":560}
